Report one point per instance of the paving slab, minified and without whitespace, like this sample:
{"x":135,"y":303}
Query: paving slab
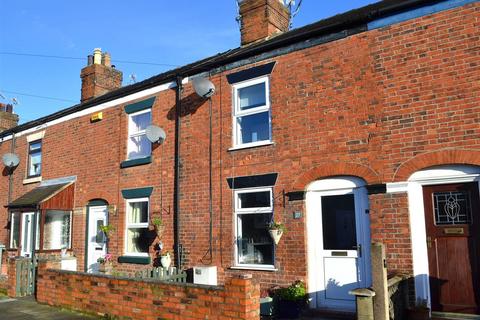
{"x":29,"y":309}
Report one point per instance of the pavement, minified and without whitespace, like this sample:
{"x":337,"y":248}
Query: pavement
{"x":29,"y":309}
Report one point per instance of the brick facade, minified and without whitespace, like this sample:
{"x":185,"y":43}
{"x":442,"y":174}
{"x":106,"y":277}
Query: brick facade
{"x":378,"y":105}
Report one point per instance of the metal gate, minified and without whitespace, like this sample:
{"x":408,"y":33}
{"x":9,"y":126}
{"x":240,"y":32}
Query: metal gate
{"x":25,"y":276}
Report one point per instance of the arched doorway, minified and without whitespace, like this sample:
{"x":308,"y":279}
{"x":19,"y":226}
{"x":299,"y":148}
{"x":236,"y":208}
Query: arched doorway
{"x":444,"y":213}
{"x":95,"y":242}
{"x":338,"y":241}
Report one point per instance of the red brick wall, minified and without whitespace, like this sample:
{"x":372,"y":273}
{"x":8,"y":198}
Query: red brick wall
{"x":133,"y":299}
{"x":378,"y":105}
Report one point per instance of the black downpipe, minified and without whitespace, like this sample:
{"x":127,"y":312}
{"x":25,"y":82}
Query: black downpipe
{"x":176,"y":191}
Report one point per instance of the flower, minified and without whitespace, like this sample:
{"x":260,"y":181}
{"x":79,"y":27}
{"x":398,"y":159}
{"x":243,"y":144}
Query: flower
{"x":105,"y":259}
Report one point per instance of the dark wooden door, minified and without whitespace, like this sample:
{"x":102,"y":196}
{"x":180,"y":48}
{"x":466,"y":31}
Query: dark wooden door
{"x":452,"y":220}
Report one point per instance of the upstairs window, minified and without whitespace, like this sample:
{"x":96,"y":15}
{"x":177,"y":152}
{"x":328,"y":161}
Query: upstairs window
{"x":138,"y":144}
{"x":34,"y":159}
{"x":251,"y":115}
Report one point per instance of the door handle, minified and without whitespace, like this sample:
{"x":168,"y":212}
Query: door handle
{"x":429,"y":242}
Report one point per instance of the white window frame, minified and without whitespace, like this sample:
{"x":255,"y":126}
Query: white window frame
{"x":237,"y":112}
{"x":135,"y":225}
{"x":12,"y":215}
{"x":138,"y":133}
{"x":247,"y":211}
{"x":69,"y":234}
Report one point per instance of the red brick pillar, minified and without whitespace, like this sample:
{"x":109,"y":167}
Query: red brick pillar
{"x":12,"y":277}
{"x":243,"y":297}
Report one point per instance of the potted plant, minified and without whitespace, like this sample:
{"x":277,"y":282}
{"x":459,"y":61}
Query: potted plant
{"x":291,"y":300}
{"x":107,"y":230}
{"x":420,"y":311}
{"x":158,"y":226}
{"x":276,"y":230}
{"x":105,"y":264}
{"x":165,"y":259}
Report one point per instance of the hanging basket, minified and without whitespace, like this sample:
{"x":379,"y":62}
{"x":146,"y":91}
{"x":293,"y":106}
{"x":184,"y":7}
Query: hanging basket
{"x":276,"y":235}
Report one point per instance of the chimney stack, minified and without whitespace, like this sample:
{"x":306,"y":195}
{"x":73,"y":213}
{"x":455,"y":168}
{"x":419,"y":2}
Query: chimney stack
{"x":8,"y":119}
{"x":99,"y":76}
{"x":263,"y":19}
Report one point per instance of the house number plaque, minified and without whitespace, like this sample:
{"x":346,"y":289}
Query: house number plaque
{"x":453,"y":231}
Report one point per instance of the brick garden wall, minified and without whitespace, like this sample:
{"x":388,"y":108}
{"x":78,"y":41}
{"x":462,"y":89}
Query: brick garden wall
{"x":150,"y":300}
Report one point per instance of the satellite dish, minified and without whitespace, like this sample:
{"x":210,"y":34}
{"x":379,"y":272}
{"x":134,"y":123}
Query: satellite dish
{"x":155,"y":134}
{"x":203,"y":87}
{"x":10,"y":160}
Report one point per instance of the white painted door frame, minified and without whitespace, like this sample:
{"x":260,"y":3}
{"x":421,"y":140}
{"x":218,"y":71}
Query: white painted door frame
{"x":414,"y":187}
{"x":316,"y":254}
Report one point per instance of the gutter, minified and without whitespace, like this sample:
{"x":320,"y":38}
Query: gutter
{"x":341,"y":22}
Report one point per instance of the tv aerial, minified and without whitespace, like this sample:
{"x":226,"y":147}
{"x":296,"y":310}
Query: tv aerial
{"x":155,"y":134}
{"x":10,"y":160}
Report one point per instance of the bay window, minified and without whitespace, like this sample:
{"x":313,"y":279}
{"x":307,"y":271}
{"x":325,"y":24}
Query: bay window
{"x":253,"y":213}
{"x":137,"y":238}
{"x":57,"y":230}
{"x":251,"y":114}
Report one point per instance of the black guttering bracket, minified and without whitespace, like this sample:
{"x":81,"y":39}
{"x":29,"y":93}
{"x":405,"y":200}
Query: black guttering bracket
{"x":349,"y":20}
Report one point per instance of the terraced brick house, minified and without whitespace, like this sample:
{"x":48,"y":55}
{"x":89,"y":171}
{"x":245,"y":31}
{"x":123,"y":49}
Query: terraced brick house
{"x":363,"y":127}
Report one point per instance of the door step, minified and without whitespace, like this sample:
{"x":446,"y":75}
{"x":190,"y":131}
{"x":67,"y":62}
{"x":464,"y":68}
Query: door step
{"x":454,"y":316}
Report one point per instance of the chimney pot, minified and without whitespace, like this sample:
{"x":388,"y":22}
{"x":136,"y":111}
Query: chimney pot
{"x":106,"y":60}
{"x":97,"y":56}
{"x":89,"y":60}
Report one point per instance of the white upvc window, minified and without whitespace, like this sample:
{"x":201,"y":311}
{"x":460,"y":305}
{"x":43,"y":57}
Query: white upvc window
{"x":253,"y":213}
{"x":136,"y":230}
{"x":57,"y":230}
{"x":251,"y":113}
{"x":138,"y":145}
{"x":16,"y":218}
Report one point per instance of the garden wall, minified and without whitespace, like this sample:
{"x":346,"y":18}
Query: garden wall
{"x":147,"y":299}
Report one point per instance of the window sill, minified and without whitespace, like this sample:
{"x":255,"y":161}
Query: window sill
{"x":136,"y":162}
{"x":32,"y":180}
{"x":252,"y":145}
{"x":134,"y":259}
{"x":259,"y":268}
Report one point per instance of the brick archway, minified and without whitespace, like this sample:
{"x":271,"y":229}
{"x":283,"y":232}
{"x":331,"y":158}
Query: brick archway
{"x":435,"y":158}
{"x":336,"y":168}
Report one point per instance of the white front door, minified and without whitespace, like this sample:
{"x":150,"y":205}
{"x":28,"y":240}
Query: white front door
{"x":27,"y":230}
{"x":339,"y":242}
{"x":97,"y":244}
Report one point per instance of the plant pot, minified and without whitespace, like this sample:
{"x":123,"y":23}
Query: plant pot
{"x":266,"y":306}
{"x":166,"y":261}
{"x":276,"y":235}
{"x":287,"y":309}
{"x":105,"y":268}
{"x":418,"y":314}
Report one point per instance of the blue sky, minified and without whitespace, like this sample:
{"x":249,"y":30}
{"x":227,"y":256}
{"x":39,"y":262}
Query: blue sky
{"x":173,"y":33}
